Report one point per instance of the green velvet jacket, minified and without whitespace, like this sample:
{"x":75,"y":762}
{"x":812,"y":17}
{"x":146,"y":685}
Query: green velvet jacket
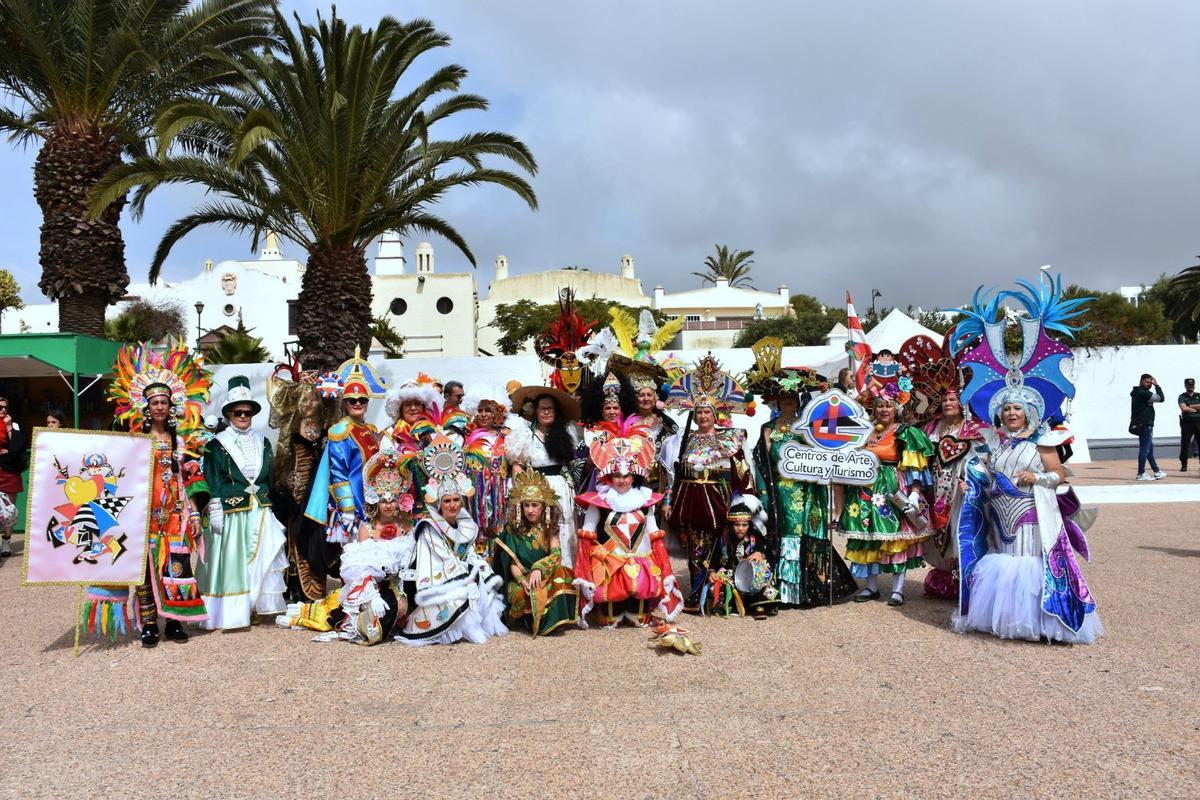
{"x":227,"y":482}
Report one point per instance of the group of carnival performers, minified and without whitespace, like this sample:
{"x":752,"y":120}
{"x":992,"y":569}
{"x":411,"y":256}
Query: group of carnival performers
{"x":540,"y":507}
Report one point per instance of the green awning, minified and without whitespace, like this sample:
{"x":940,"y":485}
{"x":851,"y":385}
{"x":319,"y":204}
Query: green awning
{"x":31,"y":355}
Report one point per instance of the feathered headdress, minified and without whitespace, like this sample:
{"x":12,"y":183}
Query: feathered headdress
{"x":707,"y":385}
{"x":558,"y":345}
{"x":141,"y":372}
{"x":435,"y":420}
{"x":1035,"y":375}
{"x":639,"y":343}
{"x":627,"y":449}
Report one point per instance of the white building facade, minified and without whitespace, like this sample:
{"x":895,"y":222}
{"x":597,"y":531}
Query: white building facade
{"x":715,"y":315}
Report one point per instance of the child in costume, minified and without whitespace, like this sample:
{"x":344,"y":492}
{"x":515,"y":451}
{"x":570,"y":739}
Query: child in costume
{"x":733,"y":587}
{"x":538,"y":588}
{"x":622,"y":568}
{"x":455,"y":588}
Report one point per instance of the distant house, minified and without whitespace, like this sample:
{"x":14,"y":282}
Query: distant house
{"x":715,"y":315}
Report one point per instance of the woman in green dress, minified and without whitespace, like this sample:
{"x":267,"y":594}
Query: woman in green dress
{"x":539,"y":591}
{"x":887,"y":524}
{"x":242,"y":572}
{"x":798,"y":543}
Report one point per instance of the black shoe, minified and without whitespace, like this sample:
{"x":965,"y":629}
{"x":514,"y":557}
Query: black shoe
{"x":897,"y":599}
{"x":866,"y":595}
{"x":175,"y":632}
{"x":150,"y":635}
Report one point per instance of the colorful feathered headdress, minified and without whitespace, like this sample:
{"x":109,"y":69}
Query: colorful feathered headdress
{"x":436,"y":419}
{"x":556,"y":347}
{"x":142,"y":372}
{"x":707,"y":385}
{"x":622,"y":448}
{"x":423,"y":388}
{"x":1035,"y":375}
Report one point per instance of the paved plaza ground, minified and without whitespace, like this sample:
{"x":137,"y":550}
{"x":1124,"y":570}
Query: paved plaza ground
{"x":857,"y":701}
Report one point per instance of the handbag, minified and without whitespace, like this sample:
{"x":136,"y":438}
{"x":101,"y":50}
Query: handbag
{"x":8,"y":511}
{"x":1135,"y":428}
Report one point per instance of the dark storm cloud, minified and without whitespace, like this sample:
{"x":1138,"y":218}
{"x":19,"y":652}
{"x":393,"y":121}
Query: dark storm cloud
{"x":917,"y":148}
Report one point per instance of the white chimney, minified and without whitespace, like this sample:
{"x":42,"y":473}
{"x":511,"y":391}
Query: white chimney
{"x":659,"y":292}
{"x":721,"y":283}
{"x":783,"y":291}
{"x":501,"y":267}
{"x":424,"y":258}
{"x":390,"y":259}
{"x":627,"y":267}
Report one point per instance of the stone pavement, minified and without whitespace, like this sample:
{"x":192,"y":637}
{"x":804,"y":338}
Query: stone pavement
{"x":857,"y":701}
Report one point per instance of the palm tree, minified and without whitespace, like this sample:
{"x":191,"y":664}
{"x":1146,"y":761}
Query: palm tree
{"x":1181,"y":302}
{"x":316,"y":146}
{"x":87,"y":78}
{"x":237,"y":346}
{"x":733,"y":267}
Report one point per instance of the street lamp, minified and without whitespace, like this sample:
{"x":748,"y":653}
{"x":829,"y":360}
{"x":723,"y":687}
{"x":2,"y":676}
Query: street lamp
{"x":199,"y":311}
{"x":874,"y":293}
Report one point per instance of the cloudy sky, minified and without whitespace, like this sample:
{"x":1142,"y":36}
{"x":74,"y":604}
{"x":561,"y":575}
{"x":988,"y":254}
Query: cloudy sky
{"x":920,"y":148}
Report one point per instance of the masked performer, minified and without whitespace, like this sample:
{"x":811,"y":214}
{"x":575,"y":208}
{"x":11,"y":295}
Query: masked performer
{"x":547,"y":445}
{"x":456,"y":590}
{"x":956,"y":440}
{"x":711,"y":468}
{"x":797,"y":544}
{"x":336,"y":500}
{"x":301,"y":416}
{"x":539,"y":590}
{"x":622,"y":567}
{"x":1021,"y":579}
{"x":887,"y":523}
{"x":163,"y":394}
{"x":245,"y":558}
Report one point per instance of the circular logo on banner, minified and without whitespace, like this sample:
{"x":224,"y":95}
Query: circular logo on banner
{"x":833,"y":421}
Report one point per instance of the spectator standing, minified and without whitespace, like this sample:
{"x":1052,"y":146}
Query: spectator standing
{"x":453,"y":394}
{"x":56,"y":419}
{"x":1143,"y":396}
{"x":1189,"y":421}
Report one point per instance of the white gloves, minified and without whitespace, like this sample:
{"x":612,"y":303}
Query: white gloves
{"x":216,"y":515}
{"x":347,"y":519}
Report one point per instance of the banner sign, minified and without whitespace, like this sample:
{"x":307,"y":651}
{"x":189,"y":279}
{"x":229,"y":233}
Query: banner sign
{"x":89,"y":507}
{"x":835,"y":428}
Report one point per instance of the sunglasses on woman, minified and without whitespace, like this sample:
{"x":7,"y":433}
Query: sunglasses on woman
{"x":241,"y":412}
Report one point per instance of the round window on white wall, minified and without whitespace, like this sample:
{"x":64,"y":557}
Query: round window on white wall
{"x":445,"y":305}
{"x":398,"y":306}
{"x":229,"y":310}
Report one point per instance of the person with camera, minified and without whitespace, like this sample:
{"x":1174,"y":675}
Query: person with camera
{"x":1143,"y":396}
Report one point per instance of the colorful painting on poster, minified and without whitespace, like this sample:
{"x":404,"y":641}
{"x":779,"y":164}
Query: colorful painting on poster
{"x":89,"y":507}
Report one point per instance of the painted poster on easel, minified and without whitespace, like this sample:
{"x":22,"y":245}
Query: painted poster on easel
{"x":89,"y":507}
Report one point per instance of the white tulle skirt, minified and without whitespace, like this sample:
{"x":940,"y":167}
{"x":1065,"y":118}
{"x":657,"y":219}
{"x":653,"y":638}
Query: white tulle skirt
{"x":1006,"y":601}
{"x":481,"y":619}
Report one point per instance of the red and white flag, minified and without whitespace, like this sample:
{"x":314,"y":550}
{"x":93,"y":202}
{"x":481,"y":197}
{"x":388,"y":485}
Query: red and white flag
{"x":856,"y":346}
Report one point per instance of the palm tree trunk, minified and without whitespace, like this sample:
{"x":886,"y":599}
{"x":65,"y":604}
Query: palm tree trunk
{"x":83,"y":261}
{"x":333,"y":311}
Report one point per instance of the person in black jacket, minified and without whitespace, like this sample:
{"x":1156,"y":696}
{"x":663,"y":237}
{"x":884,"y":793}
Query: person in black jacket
{"x":1189,"y":421}
{"x":1141,"y":417}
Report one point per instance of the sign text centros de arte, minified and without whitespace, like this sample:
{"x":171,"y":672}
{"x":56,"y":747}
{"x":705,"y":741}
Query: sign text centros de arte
{"x":835,"y":429}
